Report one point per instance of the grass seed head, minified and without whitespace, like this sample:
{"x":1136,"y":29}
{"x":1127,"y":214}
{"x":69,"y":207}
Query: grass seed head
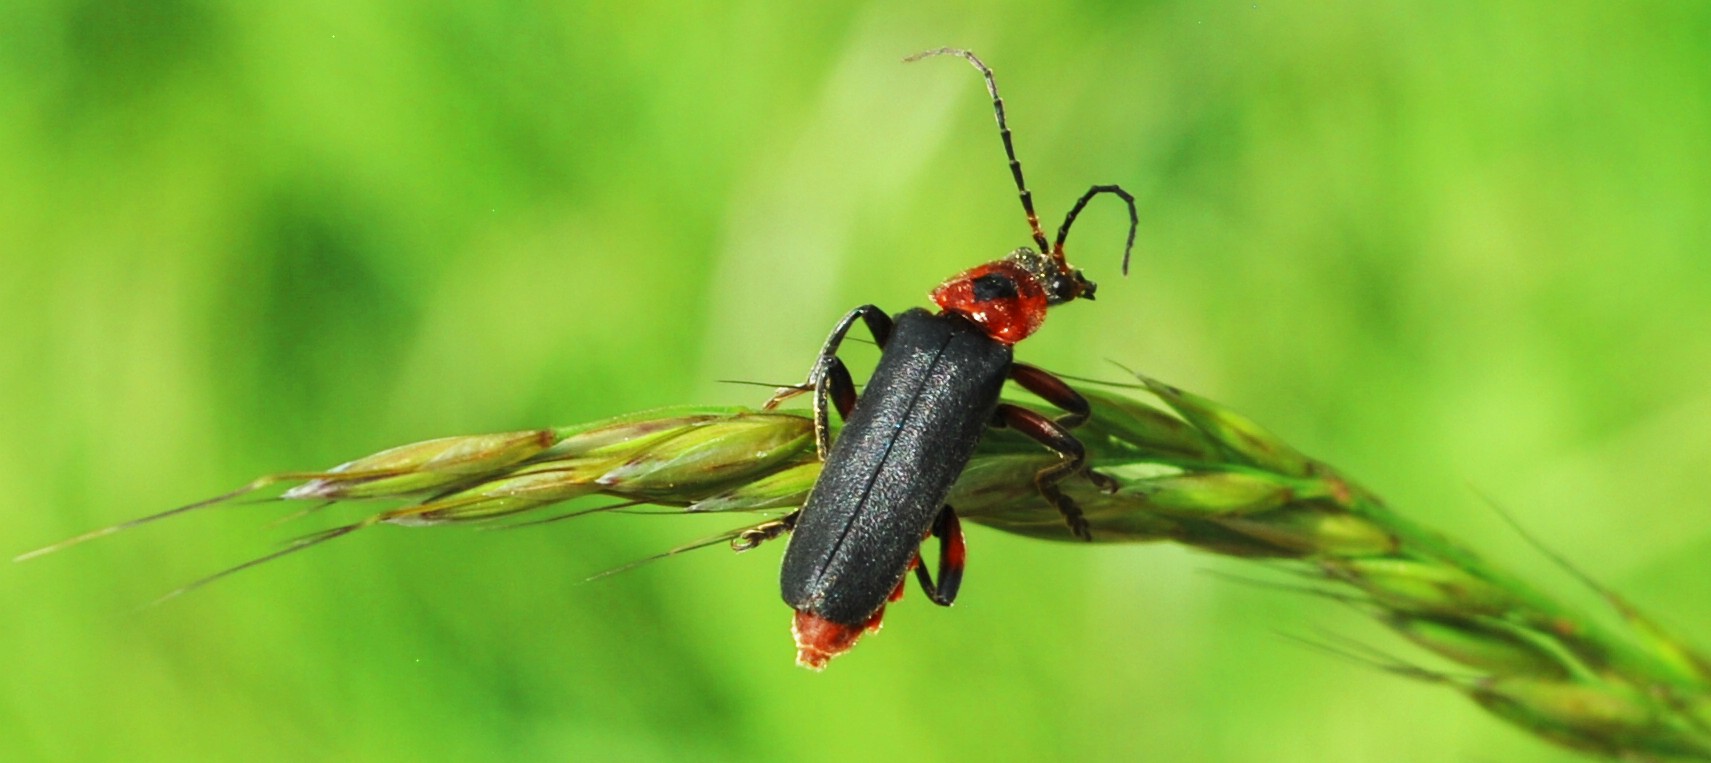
{"x":1198,"y":474}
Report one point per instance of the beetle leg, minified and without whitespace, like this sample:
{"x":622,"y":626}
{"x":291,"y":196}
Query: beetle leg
{"x":952,"y":555}
{"x":1054,"y":436}
{"x":1053,"y":390}
{"x":837,"y":384}
{"x":762,"y":533}
{"x":829,"y":378}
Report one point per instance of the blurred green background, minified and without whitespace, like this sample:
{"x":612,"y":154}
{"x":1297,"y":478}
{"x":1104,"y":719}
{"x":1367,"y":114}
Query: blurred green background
{"x":1436,"y":244}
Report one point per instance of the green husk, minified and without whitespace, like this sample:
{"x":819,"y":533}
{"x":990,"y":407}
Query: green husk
{"x":1187,"y":471}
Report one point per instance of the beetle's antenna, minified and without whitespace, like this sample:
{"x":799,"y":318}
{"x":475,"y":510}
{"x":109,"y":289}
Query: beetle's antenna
{"x":1069,"y":219}
{"x":1003,"y":132}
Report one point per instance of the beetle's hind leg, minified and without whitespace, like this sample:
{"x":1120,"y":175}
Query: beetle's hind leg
{"x":953,"y":553}
{"x":1053,"y":435}
{"x":761,"y":533}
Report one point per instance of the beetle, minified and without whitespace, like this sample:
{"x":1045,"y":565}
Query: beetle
{"x":882,"y":488}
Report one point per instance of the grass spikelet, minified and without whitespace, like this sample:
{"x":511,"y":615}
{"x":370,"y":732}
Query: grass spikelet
{"x":426,"y":465}
{"x":1239,"y":437}
{"x":1483,"y":645}
{"x":783,"y":489}
{"x":1316,"y":528}
{"x":1415,"y":586}
{"x":711,"y":454}
{"x":1213,"y":494}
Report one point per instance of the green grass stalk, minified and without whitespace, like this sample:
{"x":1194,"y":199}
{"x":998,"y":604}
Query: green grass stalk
{"x":1188,"y":471}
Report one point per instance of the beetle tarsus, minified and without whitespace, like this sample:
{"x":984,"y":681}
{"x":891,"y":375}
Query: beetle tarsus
{"x":1046,"y":480}
{"x":748,"y":539}
{"x":1054,"y":436}
{"x":782,"y":394}
{"x":1105,"y":483}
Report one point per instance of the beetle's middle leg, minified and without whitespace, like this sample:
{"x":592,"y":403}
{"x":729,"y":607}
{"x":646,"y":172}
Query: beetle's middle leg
{"x":1053,"y":435}
{"x":830,"y":379}
{"x":1076,"y":410}
{"x":952,"y":555}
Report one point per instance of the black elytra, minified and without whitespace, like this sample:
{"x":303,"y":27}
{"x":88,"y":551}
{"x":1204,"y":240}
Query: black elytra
{"x":886,"y":476}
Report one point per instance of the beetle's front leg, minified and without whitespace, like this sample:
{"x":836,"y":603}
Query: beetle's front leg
{"x":829,"y":379}
{"x":1054,"y":436}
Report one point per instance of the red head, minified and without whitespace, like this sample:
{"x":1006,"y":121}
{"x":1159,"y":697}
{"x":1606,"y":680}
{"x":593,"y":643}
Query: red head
{"x":1008,"y":298}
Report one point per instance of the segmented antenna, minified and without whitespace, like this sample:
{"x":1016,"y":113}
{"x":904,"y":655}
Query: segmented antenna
{"x":1003,"y":132}
{"x":1069,"y":219}
{"x":1055,"y":250}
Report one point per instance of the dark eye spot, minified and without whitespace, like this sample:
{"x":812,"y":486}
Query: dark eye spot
{"x":994,"y":286}
{"x":1061,"y":288}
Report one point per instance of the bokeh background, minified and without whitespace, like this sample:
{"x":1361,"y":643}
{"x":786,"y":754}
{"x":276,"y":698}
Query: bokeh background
{"x":1445,"y":246}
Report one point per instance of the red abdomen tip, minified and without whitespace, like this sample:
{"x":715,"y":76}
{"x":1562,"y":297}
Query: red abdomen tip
{"x":818,"y":640}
